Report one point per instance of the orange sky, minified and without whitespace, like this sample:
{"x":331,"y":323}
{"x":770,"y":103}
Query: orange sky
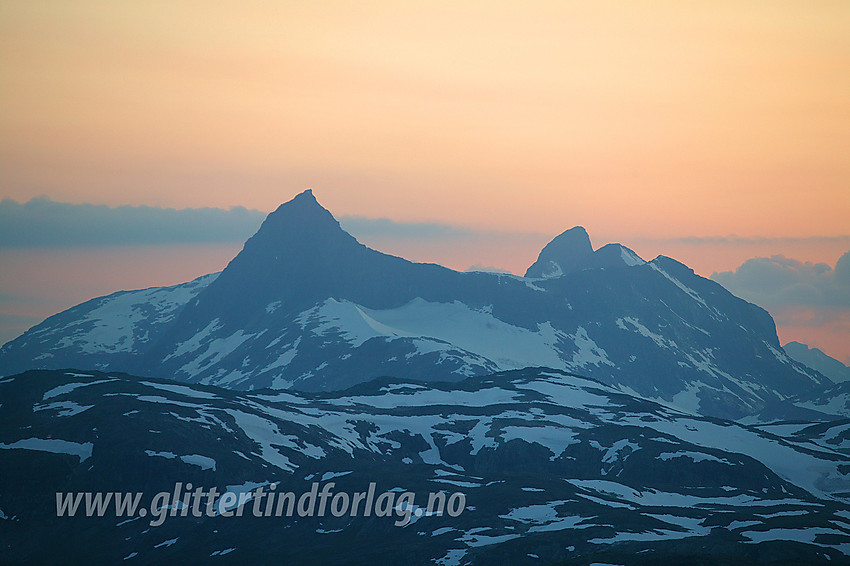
{"x":654,"y":118}
{"x":641,"y":120}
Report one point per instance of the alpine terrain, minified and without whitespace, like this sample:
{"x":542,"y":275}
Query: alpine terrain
{"x":305,"y":306}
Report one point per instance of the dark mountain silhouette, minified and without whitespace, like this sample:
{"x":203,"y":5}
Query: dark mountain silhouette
{"x":562,"y":254}
{"x":306,"y":306}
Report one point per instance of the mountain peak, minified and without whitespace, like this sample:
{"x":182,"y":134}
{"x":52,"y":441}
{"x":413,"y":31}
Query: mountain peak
{"x":561,"y":254}
{"x":300,"y":221}
{"x":302,"y":202}
{"x":299,"y":232}
{"x":305,"y":196}
{"x":299,"y":250}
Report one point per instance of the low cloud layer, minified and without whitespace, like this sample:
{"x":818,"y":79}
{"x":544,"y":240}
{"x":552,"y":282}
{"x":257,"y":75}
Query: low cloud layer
{"x":42,"y":222}
{"x":385,"y":228}
{"x":756,"y":240}
{"x":779,"y":282}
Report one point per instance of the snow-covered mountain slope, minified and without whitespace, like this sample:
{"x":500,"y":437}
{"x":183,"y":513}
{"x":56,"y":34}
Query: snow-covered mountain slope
{"x":554,"y":468}
{"x":102,"y":331}
{"x":306,"y":306}
{"x":829,"y":404}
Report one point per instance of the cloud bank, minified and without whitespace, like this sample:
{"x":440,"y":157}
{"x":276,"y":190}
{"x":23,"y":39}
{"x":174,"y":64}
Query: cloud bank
{"x":778,"y":282}
{"x":42,"y":222}
{"x":753,"y":241}
{"x":810,"y":302}
{"x":362,"y":226}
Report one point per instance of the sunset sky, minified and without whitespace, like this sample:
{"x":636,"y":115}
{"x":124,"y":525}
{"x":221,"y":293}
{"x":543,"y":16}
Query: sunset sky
{"x":712,"y":132}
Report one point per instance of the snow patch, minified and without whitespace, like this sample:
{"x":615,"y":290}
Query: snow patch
{"x":81,"y":450}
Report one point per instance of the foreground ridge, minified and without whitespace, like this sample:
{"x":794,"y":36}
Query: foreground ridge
{"x":554,"y":469}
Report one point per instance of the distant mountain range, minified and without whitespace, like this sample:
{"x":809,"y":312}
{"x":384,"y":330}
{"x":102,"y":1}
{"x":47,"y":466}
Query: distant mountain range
{"x":554,"y":468}
{"x":817,"y":360}
{"x":305,"y":306}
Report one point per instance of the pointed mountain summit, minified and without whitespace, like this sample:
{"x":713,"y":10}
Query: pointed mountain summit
{"x":299,"y":257}
{"x":561,"y":254}
{"x":302,"y":223}
{"x":299,"y":252}
{"x":299,"y":234}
